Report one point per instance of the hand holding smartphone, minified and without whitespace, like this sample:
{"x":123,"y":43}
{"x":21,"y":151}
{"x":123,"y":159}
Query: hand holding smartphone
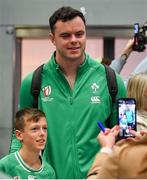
{"x":126,"y":115}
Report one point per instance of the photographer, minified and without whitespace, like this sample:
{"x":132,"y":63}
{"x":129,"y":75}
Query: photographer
{"x":117,"y":161}
{"x":140,"y":41}
{"x":139,"y":45}
{"x":136,"y":44}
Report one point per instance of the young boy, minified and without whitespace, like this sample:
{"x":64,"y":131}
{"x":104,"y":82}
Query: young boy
{"x":26,"y":163}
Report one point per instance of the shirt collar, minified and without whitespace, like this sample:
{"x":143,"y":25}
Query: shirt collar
{"x":55,"y":66}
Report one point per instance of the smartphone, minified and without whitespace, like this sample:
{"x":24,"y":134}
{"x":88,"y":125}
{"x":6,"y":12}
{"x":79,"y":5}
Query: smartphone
{"x":126,"y":115}
{"x":136,"y":28}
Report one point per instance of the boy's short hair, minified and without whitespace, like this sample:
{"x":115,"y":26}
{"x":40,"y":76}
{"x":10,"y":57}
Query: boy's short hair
{"x":64,"y":14}
{"x":26,"y":115}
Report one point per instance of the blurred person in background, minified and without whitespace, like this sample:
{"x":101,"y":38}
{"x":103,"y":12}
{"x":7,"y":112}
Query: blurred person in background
{"x":137,"y":88}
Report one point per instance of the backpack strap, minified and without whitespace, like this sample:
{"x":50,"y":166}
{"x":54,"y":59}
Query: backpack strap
{"x":36,"y":85}
{"x":112,"y":83}
{"x":112,"y":86}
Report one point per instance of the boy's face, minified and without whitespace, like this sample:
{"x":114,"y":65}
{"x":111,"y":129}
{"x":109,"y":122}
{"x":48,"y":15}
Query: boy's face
{"x":34,"y":135}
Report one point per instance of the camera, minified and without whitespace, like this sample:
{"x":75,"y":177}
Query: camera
{"x":140,"y":37}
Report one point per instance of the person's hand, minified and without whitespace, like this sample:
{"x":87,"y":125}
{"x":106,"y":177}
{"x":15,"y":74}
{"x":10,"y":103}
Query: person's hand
{"x":107,"y":138}
{"x":137,"y":136}
{"x":143,"y":132}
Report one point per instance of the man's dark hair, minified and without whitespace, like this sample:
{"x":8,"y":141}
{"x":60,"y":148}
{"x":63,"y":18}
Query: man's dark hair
{"x":26,"y":115}
{"x":64,"y":14}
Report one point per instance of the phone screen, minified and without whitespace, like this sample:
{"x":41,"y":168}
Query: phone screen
{"x":136,"y":28}
{"x":126,"y":116}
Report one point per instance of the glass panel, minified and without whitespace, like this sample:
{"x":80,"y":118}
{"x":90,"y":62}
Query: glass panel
{"x":94,"y":47}
{"x":34,"y":53}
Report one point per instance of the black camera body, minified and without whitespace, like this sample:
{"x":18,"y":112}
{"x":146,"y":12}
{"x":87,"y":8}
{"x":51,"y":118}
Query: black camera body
{"x":140,"y":37}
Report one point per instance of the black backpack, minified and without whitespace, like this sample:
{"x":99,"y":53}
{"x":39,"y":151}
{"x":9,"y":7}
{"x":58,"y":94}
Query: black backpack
{"x":36,"y":83}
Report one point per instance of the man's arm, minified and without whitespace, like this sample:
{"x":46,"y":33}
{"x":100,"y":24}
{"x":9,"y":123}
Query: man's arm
{"x":117,"y":64}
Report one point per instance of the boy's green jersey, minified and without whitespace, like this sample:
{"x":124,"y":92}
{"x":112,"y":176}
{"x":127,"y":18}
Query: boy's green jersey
{"x":13,"y":166}
{"x":72,"y":114}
